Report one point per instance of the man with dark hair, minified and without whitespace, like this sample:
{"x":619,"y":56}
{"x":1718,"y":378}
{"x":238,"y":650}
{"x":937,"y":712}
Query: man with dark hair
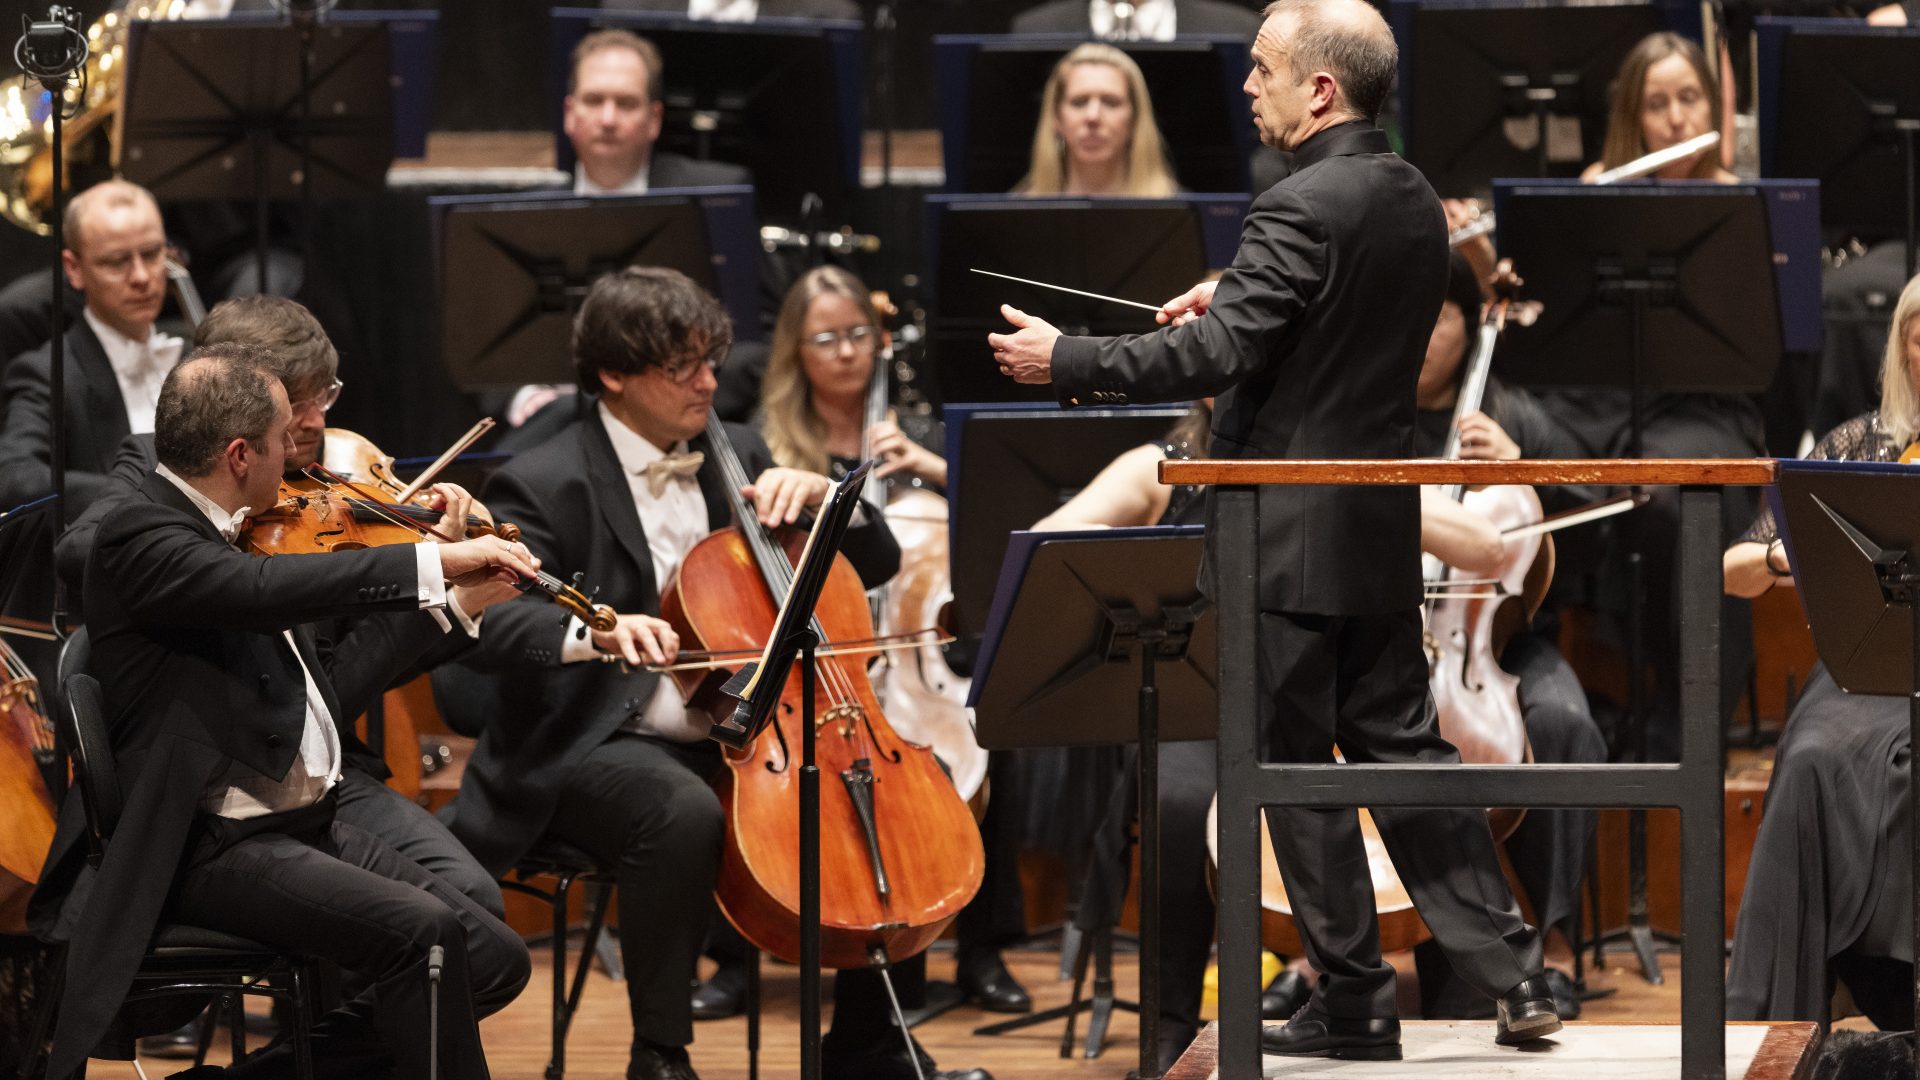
{"x":301,"y":354}
{"x":1314,"y":339}
{"x":224,"y":719}
{"x":611,"y":761}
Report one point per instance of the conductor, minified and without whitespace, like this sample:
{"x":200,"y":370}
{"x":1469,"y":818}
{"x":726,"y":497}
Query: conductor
{"x":1313,"y":340}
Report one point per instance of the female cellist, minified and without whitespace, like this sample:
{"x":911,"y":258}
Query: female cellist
{"x":610,"y":761}
{"x":816,"y":412}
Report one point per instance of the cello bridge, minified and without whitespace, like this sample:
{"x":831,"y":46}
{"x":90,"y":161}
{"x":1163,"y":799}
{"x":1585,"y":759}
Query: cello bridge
{"x":846,"y":718}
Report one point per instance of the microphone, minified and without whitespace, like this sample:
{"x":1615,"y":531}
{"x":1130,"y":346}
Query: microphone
{"x":51,"y":48}
{"x":436,"y":959}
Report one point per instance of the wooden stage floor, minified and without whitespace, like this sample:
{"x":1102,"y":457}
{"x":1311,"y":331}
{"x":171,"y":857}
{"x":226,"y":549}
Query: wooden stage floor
{"x":516,"y":1038}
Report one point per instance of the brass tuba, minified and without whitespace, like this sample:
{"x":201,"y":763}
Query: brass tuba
{"x":26,"y":123}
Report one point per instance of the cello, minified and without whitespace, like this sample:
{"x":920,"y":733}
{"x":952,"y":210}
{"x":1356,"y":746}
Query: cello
{"x":899,"y":852}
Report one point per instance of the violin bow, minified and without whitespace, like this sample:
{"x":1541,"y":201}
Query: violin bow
{"x":459,"y":447}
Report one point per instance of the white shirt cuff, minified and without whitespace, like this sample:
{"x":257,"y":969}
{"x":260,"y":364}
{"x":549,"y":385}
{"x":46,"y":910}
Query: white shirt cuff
{"x":431,"y":588}
{"x":577,"y":645}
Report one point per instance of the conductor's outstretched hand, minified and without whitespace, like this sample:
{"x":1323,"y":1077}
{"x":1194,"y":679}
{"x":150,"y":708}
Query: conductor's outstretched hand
{"x":1027,"y":353}
{"x":1188,"y":306}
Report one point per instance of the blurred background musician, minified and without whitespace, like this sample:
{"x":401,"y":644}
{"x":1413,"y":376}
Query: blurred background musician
{"x":1096,"y":133}
{"x":115,"y":362}
{"x":1828,"y":894}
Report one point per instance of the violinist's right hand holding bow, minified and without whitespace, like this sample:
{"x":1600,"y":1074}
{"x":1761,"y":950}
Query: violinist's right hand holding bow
{"x":639,"y":640}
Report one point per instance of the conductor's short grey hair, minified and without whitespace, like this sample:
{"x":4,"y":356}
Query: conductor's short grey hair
{"x":1348,"y":40}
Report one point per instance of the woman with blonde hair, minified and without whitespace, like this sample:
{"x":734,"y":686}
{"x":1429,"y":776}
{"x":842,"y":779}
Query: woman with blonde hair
{"x":1828,"y":892}
{"x":1096,"y":134}
{"x":1664,"y":95}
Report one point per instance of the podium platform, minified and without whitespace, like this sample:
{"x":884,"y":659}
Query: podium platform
{"x":1464,"y":1050}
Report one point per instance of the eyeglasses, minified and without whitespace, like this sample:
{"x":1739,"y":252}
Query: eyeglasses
{"x":323,"y":400}
{"x":686,"y":371}
{"x":860,"y":337}
{"x":120,"y":264}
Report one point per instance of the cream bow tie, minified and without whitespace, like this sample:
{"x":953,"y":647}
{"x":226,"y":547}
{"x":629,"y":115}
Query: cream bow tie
{"x":657,"y":473}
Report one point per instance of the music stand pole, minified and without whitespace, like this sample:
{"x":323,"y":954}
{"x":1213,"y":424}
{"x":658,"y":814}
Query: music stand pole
{"x":1149,"y":761}
{"x":805,"y":641}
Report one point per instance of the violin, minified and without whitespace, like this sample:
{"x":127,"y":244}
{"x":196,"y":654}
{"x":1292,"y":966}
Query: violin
{"x":27,"y":757}
{"x":331,"y":513}
{"x":900,"y":854}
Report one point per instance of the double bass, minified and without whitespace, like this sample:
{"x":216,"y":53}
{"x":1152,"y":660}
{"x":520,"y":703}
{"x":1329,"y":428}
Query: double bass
{"x":899,"y":852}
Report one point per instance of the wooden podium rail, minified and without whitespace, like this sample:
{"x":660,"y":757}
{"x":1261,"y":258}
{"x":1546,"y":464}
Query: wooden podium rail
{"x":1692,"y":786}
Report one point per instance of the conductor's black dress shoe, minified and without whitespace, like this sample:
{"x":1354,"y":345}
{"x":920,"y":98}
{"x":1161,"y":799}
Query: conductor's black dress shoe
{"x":1312,"y":1033}
{"x":1526,"y":1013}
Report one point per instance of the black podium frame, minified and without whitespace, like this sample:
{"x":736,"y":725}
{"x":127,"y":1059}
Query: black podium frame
{"x":1072,"y":608}
{"x":1852,"y":531}
{"x":1248,"y":784}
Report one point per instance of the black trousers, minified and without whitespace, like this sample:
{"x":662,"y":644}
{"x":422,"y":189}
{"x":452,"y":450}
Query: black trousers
{"x":406,"y":827}
{"x":646,"y":807}
{"x":1360,"y":683}
{"x":329,"y":889}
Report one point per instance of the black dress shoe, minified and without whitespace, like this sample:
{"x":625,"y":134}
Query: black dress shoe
{"x":1312,"y":1033}
{"x":1285,"y":995}
{"x":1566,"y":994}
{"x":199,"y":1072}
{"x":722,"y":996}
{"x":1526,"y":1013}
{"x":841,"y":1059}
{"x":984,"y":978}
{"x":660,"y":1063}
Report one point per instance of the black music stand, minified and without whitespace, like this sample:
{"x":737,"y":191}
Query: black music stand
{"x":989,"y":94}
{"x":793,"y":641}
{"x":1013,"y":465}
{"x":513,"y":269}
{"x":1494,"y":75}
{"x":1073,"y":610}
{"x":781,"y":96}
{"x":260,"y":111}
{"x":1144,"y":250}
{"x":1852,"y":531}
{"x":1677,"y":279}
{"x":1838,"y":100}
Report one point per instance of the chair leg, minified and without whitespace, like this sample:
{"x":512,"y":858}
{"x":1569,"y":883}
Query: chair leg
{"x":557,"y":1063}
{"x":304,"y":979}
{"x":600,"y":893}
{"x":753,"y":1014}
{"x":209,"y":1022}
{"x":236,"y":1010}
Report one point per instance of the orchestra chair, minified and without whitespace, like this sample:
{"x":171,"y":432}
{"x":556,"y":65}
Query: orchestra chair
{"x":182,"y":960}
{"x":567,"y":865}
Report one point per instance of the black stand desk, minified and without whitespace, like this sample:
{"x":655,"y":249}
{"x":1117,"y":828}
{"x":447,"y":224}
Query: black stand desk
{"x":1071,"y":610}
